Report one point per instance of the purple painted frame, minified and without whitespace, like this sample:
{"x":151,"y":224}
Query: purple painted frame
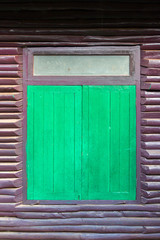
{"x":133,"y":79}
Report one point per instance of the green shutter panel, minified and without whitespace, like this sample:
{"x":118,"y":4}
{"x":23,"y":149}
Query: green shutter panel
{"x":53,"y":142}
{"x":109,"y":143}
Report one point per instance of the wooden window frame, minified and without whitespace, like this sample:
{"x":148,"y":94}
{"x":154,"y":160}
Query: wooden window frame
{"x":83,"y":80}
{"x":133,"y":79}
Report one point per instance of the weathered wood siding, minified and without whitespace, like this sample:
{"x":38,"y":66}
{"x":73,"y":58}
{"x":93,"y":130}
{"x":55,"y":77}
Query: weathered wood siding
{"x":10,"y":127}
{"x":123,"y":221}
{"x":87,"y":24}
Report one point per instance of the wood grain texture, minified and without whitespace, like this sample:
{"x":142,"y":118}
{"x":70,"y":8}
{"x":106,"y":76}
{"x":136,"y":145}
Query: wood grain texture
{"x":111,"y":23}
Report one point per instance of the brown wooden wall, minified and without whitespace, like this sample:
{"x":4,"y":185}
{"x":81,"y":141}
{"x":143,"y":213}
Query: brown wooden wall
{"x":78,"y":24}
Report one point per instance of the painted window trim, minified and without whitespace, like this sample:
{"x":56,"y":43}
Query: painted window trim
{"x":29,"y":79}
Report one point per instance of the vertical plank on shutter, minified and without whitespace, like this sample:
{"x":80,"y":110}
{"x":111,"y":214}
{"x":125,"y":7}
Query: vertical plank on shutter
{"x":48,"y":140}
{"x":29,"y":146}
{"x":85,"y":142}
{"x":104,"y":139}
{"x":124,"y":177}
{"x":69,"y":121}
{"x":59,"y":142}
{"x":38,"y":143}
{"x":133,"y":142}
{"x":114,"y":140}
{"x":78,"y":141}
{"x":93,"y":151}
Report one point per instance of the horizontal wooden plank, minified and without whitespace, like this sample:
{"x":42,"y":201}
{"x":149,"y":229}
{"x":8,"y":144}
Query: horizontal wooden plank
{"x":10,"y":199}
{"x":150,"y":161}
{"x":155,"y":86}
{"x":11,"y":152}
{"x":124,"y":221}
{"x":90,"y":214}
{"x":7,"y":214}
{"x":11,"y":74}
{"x":150,"y":130}
{"x":13,"y":139}
{"x":10,"y":96}
{"x":10,"y":51}
{"x":10,"y":103}
{"x":150,"y":46}
{"x":89,"y":36}
{"x":150,"y":108}
{"x":151,"y":185}
{"x":10,"y":88}
{"x":151,"y":63}
{"x":150,"y":121}
{"x":10,"y":166}
{"x":151,"y":101}
{"x":150,"y":194}
{"x":150,"y":71}
{"x":150,"y":114}
{"x":10,"y":182}
{"x":11,"y":81}
{"x":145,"y":78}
{"x":150,"y":178}
{"x":11,"y":191}
{"x":10,"y":109}
{"x":10,"y":67}
{"x":10,"y":159}
{"x":85,"y":228}
{"x":92,"y":26}
{"x":10,"y":131}
{"x":151,"y":169}
{"x":150,"y":94}
{"x":152,"y":229}
{"x":150,"y":145}
{"x":5,"y":207}
{"x":84,"y":207}
{"x":151,"y":54}
{"x":150,"y":86}
{"x":150,"y":137}
{"x":150,"y":201}
{"x":11,"y":115}
{"x":10,"y":59}
{"x":11,"y":174}
{"x":75,"y":236}
{"x":140,"y":214}
{"x":10,"y":123}
{"x":151,"y":153}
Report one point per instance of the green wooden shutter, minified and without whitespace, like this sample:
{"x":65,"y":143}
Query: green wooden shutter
{"x":54,"y":142}
{"x":107,"y":157}
{"x":109,"y":143}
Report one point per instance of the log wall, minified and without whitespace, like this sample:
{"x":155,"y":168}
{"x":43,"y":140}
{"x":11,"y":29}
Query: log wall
{"x":78,"y":24}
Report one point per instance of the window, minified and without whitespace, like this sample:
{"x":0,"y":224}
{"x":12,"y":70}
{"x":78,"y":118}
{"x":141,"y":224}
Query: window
{"x":78,"y":65}
{"x":81,"y":138}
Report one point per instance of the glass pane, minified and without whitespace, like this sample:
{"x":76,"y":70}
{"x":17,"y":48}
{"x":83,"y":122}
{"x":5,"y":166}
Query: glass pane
{"x":77,"y":65}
